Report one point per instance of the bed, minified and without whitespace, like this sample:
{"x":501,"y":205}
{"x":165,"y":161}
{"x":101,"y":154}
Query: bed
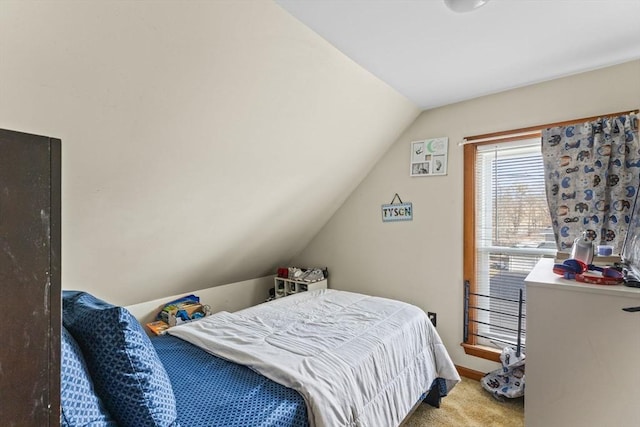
{"x":319,"y":358}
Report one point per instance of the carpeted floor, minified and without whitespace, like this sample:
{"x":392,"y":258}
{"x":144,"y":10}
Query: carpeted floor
{"x":469,"y":405}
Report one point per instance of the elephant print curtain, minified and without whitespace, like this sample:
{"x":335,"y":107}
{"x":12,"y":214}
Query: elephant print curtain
{"x":592,"y":172}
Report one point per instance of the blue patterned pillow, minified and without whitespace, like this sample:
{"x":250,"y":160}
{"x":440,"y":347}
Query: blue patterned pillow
{"x":80,"y":405}
{"x":125,"y":368}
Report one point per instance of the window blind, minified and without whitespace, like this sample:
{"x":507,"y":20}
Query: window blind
{"x":513,"y":231}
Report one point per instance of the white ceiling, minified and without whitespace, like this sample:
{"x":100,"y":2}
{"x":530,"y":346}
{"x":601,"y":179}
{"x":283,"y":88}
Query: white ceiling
{"x":435,"y":57}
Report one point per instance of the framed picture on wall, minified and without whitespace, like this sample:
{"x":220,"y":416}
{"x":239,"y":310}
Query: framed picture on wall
{"x":429,"y":157}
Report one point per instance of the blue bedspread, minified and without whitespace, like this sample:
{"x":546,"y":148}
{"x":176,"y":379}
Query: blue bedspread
{"x":214,"y":392}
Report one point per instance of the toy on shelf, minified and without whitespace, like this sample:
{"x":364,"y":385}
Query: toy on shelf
{"x":185,"y":309}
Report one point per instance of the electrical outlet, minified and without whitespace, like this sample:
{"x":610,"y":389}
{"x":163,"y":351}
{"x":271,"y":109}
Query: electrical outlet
{"x":433,"y":317}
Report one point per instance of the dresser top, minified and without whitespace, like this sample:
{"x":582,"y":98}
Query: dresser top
{"x":543,"y":275}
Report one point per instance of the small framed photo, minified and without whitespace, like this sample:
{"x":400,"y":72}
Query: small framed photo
{"x":429,"y":157}
{"x":420,"y":169}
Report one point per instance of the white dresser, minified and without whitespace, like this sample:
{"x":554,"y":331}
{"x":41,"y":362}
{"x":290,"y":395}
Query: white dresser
{"x":582,"y":353}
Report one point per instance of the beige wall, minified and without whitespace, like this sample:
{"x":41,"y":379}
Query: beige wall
{"x":421,"y":261}
{"x":203,"y":142}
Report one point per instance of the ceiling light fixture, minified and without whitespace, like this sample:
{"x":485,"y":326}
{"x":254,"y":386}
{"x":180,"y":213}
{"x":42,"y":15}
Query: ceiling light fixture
{"x":462,"y":6}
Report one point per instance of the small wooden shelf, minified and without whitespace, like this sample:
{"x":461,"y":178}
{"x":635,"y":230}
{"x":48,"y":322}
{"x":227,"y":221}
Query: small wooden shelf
{"x":284,"y":286}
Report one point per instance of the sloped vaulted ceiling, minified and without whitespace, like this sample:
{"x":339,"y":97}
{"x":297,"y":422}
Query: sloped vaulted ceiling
{"x":203,"y":143}
{"x":437,"y":57}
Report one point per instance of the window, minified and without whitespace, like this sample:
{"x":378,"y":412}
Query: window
{"x":507,"y":230}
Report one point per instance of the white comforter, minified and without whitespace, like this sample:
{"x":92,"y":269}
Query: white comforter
{"x":357,"y":360}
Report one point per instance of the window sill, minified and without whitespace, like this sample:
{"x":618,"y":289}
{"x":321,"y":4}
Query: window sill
{"x":483,"y":352}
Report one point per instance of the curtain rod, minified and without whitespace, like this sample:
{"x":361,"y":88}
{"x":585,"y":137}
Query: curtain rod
{"x":533,"y":130}
{"x":503,"y":137}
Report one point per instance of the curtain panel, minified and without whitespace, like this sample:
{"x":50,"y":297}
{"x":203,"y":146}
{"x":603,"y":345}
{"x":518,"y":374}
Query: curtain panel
{"x":592,"y":172}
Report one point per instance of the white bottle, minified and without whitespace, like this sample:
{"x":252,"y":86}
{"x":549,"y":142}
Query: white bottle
{"x":582,"y":249}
